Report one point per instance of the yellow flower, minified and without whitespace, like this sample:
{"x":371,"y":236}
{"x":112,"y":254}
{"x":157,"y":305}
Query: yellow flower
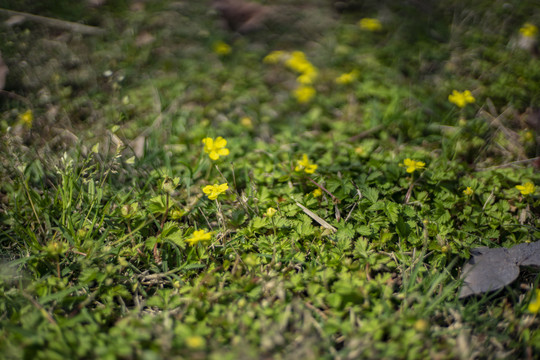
{"x":461,"y":98}
{"x":26,"y":118}
{"x":528,"y":30}
{"x":359,"y":150}
{"x":221,"y":48}
{"x":304,"y":93}
{"x":527,"y":188}
{"x":308,"y":76}
{"x":347,"y":78}
{"x":298,"y":62}
{"x":213,"y":191}
{"x":534,"y":306}
{"x":198,"y":236}
{"x":215,"y":148}
{"x":316,"y":193}
{"x":468,"y":191}
{"x":412,"y":165}
{"x":305,"y":165}
{"x":421,"y":325}
{"x":528,"y":136}
{"x":275,"y":56}
{"x":270,"y":212}
{"x":370,"y":24}
{"x":195,"y":342}
{"x":246,"y":122}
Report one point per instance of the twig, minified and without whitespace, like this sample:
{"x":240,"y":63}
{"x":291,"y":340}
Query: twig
{"x":350,"y":212}
{"x":409,"y":193}
{"x":62,"y":24}
{"x":334,"y":199}
{"x":39,"y":307}
{"x":366,"y":133}
{"x":16,"y":97}
{"x":508,"y":164}
{"x":488,"y":200}
{"x":317,"y":310}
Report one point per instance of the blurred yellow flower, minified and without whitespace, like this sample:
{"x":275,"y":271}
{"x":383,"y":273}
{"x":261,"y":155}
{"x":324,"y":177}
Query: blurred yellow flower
{"x":26,"y":118}
{"x":461,"y":98}
{"x":347,"y":78}
{"x":298,"y":62}
{"x":528,"y":30}
{"x":275,"y":56}
{"x":359,"y":150}
{"x":246,"y":122}
{"x":308,"y":76}
{"x":413,"y":165}
{"x":270,"y":212}
{"x":213,"y":191}
{"x":215,"y":148}
{"x":468,"y":191}
{"x":198,"y":236}
{"x":370,"y":24}
{"x":527,"y":188}
{"x":305,"y":165}
{"x":221,"y":48}
{"x":304,"y":93}
{"x":528,"y":136}
{"x":534,"y":306}
{"x":316,"y":193}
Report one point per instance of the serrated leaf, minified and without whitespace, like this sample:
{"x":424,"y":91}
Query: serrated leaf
{"x":156,"y":205}
{"x":345,"y":232}
{"x":259,"y":222}
{"x":363,"y":230}
{"x":371,"y":194}
{"x":379,"y":205}
{"x":403,"y":228}
{"x":168,"y":228}
{"x":392,"y":211}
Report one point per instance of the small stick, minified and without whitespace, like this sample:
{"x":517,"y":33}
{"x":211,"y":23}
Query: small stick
{"x":62,"y":24}
{"x":366,"y":133}
{"x":509,"y":164}
{"x":334,"y":199}
{"x":44,"y":312}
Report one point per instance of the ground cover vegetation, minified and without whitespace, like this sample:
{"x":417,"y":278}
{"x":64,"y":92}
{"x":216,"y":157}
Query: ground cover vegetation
{"x":170,"y":189}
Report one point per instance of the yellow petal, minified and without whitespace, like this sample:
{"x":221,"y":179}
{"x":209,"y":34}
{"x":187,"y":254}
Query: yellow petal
{"x":311,"y":168}
{"x":208,"y":142}
{"x":213,"y":155}
{"x":223,"y":152}
{"x":408,"y":162}
{"x":223,"y":187}
{"x":220,"y":142}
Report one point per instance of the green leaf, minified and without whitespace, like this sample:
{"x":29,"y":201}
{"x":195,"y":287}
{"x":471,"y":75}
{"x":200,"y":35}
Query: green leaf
{"x":371,"y":194}
{"x":392,"y":211}
{"x":156,"y":205}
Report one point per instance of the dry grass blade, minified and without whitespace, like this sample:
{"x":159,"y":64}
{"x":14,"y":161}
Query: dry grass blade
{"x":62,"y":24}
{"x":315,"y":217}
